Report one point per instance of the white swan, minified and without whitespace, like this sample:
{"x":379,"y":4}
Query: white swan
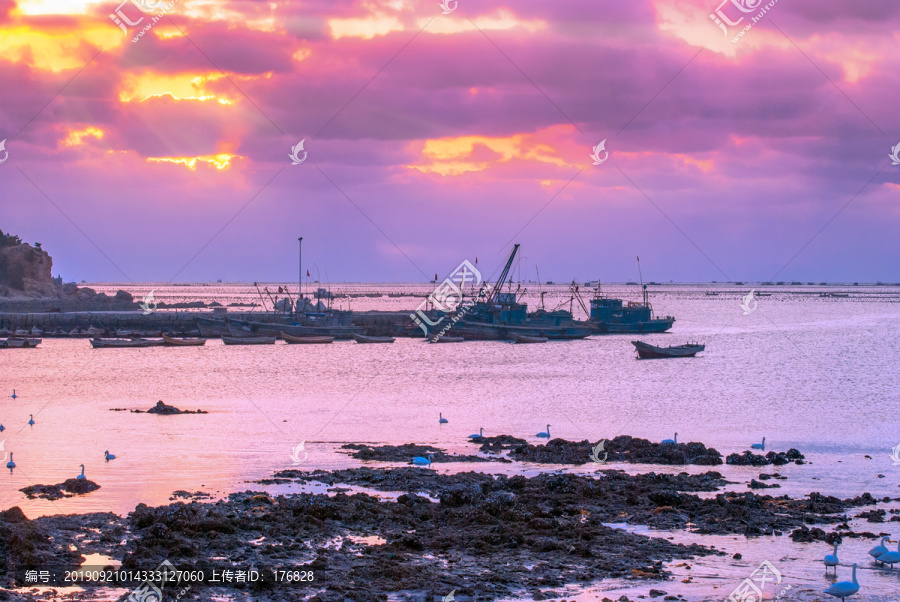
{"x":545,"y":435}
{"x":759,"y":445}
{"x":879,"y":550}
{"x":14,"y":396}
{"x":441,"y":420}
{"x":420,"y":461}
{"x":480,"y":434}
{"x":108,"y":456}
{"x":81,"y":476}
{"x":10,"y":465}
{"x":31,"y":419}
{"x":832,"y":560}
{"x":671,"y":441}
{"x":890,"y":558}
{"x":844,"y":588}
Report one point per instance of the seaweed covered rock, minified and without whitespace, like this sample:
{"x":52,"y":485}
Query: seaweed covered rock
{"x":621,"y":449}
{"x":774,"y":458}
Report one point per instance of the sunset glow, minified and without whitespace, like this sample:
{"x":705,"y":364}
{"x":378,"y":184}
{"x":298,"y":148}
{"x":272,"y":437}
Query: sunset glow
{"x":408,"y":107}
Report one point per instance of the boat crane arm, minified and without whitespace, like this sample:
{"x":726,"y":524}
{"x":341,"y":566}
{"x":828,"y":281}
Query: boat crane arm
{"x":498,"y":287}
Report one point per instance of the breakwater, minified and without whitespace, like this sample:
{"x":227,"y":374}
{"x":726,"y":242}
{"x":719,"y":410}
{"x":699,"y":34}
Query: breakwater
{"x":374,"y":322}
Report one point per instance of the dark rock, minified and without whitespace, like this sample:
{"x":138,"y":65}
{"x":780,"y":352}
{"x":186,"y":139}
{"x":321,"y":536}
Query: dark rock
{"x":167,"y":410}
{"x":55,"y":492}
{"x":754,"y":484}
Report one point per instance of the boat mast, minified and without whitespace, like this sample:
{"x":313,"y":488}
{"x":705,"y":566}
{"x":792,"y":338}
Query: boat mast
{"x":643,"y":286}
{"x":300,"y":273}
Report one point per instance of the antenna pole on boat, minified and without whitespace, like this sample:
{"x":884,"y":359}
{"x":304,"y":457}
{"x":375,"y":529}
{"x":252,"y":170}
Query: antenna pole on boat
{"x":540,"y":287}
{"x":300,"y":272}
{"x":641,"y":276}
{"x":258,"y":292}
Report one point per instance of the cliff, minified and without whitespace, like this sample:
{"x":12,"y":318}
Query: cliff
{"x":24,"y":268}
{"x":26,"y":277}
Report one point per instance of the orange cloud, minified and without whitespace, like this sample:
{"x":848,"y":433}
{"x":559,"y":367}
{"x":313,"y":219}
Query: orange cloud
{"x":457,"y":155}
{"x":76,"y":137}
{"x":183,"y":86}
{"x":220,"y":161}
{"x":56,"y":49}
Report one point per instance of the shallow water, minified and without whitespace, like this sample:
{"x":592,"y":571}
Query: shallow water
{"x":806,"y":372}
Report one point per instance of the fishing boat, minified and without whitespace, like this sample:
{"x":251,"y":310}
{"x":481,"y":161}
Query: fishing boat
{"x":123,"y":343}
{"x":311,"y":325}
{"x":172,"y":342}
{"x":291,"y":340}
{"x":526,"y":339}
{"x":498,"y":316}
{"x":248,"y":340}
{"x":445,"y":339}
{"x":211,"y":327}
{"x":361,"y":338}
{"x":616,"y":316}
{"x":647,"y":351}
{"x":14,"y":343}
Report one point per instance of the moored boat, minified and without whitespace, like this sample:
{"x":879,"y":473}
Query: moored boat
{"x":526,"y":339}
{"x":291,"y":340}
{"x":312,"y":326}
{"x":615,"y":316}
{"x":648,"y":351}
{"x":495,"y":315}
{"x":173,"y":342}
{"x":248,"y":340}
{"x":21,"y":343}
{"x":97,"y":343}
{"x":361,"y":338}
{"x":445,"y":339}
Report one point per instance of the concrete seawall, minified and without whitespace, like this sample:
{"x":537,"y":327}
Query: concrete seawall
{"x":112,"y":320}
{"x":175,"y":320}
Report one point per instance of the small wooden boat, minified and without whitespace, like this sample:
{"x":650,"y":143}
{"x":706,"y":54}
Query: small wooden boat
{"x":123,"y":343}
{"x":647,"y":351}
{"x":22,"y":343}
{"x":248,"y":340}
{"x":291,"y":340}
{"x":445,"y":339}
{"x":520,"y":338}
{"x":361,"y":338}
{"x":170,"y":342}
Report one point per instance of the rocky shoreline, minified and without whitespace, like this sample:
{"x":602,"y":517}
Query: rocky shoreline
{"x":479,"y":535}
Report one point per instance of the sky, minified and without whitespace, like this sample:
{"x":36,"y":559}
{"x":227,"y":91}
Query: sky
{"x":158,"y":142}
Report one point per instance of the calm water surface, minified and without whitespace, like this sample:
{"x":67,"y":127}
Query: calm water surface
{"x":817,"y":374}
